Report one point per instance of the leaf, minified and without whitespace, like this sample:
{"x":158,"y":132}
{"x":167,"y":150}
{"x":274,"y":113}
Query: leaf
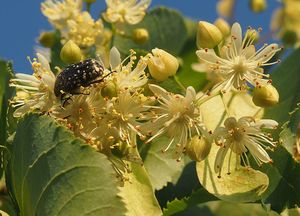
{"x":53,"y":173}
{"x":284,"y":174}
{"x":138,"y":194}
{"x":288,"y":139}
{"x":286,"y":79}
{"x":55,"y":53}
{"x":5,"y":94}
{"x":197,"y":197}
{"x":162,"y":167}
{"x":166,"y":28}
{"x":7,"y":206}
{"x":186,"y":75}
{"x":243,"y":184}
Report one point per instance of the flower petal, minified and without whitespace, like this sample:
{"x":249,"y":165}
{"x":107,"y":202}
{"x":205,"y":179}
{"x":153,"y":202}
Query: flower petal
{"x":207,"y":55}
{"x":257,"y":151}
{"x":114,"y":58}
{"x":236,"y":34}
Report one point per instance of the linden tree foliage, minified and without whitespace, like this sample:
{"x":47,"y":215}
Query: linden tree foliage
{"x":162,"y":24}
{"x":50,"y":172}
{"x":284,"y":173}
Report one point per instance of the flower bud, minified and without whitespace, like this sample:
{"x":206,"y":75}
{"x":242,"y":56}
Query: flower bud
{"x":109,"y":90}
{"x":289,"y":37}
{"x":162,"y":64}
{"x":265,"y":96}
{"x":90,"y":1}
{"x":258,"y":5}
{"x":223,"y":26}
{"x":225,"y":8}
{"x":253,"y":35}
{"x":70,"y":53}
{"x":140,"y":35}
{"x":208,"y":35}
{"x":47,"y":39}
{"x":198,"y":148}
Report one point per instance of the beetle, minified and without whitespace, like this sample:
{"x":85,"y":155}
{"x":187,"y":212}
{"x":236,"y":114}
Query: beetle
{"x":84,"y":73}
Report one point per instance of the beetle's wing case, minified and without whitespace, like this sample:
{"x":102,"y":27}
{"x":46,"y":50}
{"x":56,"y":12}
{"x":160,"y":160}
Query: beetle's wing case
{"x":76,"y":75}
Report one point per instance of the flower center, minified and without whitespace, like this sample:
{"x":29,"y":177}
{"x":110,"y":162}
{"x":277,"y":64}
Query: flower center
{"x":240,"y":68}
{"x":237,"y":134}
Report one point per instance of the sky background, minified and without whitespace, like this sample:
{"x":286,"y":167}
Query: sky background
{"x":21,"y":22}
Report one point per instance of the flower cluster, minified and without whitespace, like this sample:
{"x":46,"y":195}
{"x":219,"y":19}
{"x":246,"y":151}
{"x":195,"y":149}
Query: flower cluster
{"x":110,"y":102}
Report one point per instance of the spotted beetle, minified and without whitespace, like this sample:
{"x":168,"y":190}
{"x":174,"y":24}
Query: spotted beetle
{"x":76,"y":75}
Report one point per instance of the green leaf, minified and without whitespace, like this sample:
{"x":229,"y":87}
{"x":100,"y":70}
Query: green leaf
{"x":186,"y":75}
{"x":286,"y":79}
{"x":7,"y":206}
{"x":288,"y":139}
{"x":161,"y":166}
{"x":197,"y":197}
{"x":166,"y":28}
{"x":53,"y":173}
{"x":284,"y":173}
{"x":5,"y":94}
{"x":138,"y":194}
{"x":55,"y":53}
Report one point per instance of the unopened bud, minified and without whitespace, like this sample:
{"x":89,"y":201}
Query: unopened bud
{"x":265,"y":96}
{"x":70,"y":53}
{"x":253,"y":35}
{"x":198,"y":148}
{"x":90,"y":1}
{"x":162,"y":64}
{"x":109,"y":90}
{"x":225,"y":8}
{"x":140,"y":35}
{"x":47,"y":39}
{"x":223,"y":26}
{"x":258,"y":5}
{"x":208,"y":35}
{"x":289,"y":38}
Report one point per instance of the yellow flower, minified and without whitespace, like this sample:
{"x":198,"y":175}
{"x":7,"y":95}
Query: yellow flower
{"x":83,"y":30}
{"x":59,"y":12}
{"x":129,"y":11}
{"x":34,"y":92}
{"x":239,"y":61}
{"x":176,"y":116}
{"x":240,"y":136}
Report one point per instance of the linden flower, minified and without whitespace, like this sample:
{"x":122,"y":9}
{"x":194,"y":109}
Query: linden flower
{"x":59,"y":12}
{"x":36,"y":91}
{"x":81,"y":112}
{"x":239,"y":62}
{"x":83,"y":30}
{"x":124,"y":77}
{"x":118,"y":119}
{"x":177,"y":116}
{"x":241,"y":136}
{"x":130,"y":11}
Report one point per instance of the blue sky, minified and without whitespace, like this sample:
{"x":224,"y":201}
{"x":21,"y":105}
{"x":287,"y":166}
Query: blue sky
{"x":21,"y":22}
